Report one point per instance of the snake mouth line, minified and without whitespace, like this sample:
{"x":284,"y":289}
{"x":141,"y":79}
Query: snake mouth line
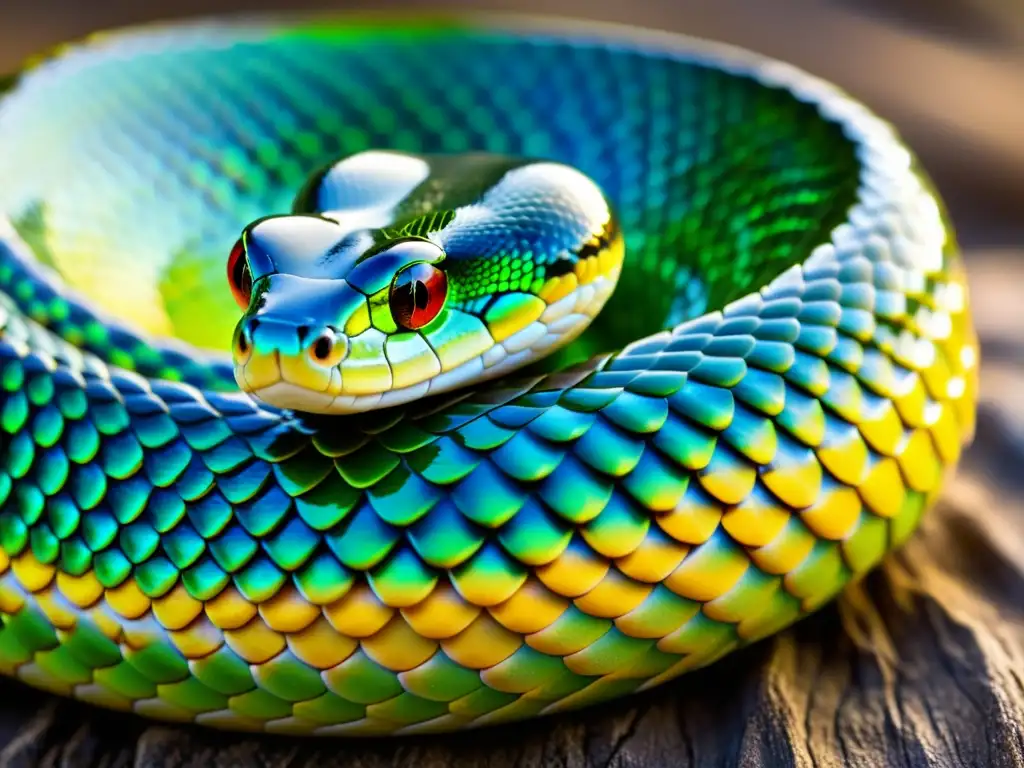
{"x":273,"y":379}
{"x":285,"y":394}
{"x":279,"y":391}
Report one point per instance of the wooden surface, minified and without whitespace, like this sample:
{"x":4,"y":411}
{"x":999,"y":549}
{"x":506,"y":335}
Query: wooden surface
{"x":922,"y":664}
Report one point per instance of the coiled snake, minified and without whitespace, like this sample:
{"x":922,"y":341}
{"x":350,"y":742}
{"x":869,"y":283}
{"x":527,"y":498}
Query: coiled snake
{"x":446,"y":498}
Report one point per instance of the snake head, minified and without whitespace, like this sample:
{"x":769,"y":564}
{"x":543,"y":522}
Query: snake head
{"x":400,"y":276}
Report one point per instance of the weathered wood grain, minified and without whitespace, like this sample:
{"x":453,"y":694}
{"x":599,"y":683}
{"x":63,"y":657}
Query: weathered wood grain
{"x":921,"y":664}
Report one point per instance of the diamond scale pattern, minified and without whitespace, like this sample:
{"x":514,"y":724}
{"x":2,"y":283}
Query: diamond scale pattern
{"x":768,"y":403}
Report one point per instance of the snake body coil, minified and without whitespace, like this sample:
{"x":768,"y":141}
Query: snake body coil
{"x":767,"y":404}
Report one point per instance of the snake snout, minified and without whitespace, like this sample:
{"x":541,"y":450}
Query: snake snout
{"x":268,"y":350}
{"x":267,"y":335}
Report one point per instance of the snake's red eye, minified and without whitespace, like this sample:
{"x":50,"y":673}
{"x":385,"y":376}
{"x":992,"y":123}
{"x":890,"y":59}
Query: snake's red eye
{"x":239,"y":276}
{"x":417,"y":295}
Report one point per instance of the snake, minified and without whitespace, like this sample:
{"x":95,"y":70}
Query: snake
{"x":384,"y":375}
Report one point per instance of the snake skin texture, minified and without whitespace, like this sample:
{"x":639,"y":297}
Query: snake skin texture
{"x":768,"y":403}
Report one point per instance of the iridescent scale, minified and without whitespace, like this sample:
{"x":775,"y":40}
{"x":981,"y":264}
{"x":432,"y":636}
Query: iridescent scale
{"x":768,"y":403}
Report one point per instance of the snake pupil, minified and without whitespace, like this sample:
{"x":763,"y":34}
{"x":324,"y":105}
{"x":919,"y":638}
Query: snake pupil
{"x":421,"y":294}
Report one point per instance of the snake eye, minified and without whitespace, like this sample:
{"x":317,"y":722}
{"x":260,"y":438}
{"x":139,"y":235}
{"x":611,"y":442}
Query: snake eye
{"x":417,"y":295}
{"x":239,"y":276}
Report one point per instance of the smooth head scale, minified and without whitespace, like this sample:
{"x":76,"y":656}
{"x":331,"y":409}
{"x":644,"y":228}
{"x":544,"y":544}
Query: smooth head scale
{"x":398,"y":276}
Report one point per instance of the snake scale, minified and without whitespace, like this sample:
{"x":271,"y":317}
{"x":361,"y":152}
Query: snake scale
{"x":410,"y":517}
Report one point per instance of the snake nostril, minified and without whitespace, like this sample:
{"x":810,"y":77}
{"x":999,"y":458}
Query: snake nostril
{"x":243,"y":343}
{"x":322,"y":348}
{"x":327,"y":349}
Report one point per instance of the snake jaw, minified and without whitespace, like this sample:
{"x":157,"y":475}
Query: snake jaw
{"x":297,"y":382}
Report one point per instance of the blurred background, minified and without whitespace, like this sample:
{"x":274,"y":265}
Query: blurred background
{"x":948,"y":73}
